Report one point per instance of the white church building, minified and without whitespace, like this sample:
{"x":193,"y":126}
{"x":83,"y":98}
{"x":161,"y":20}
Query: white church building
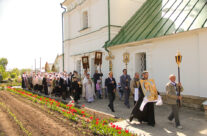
{"x":88,"y":25}
{"x":151,"y":31}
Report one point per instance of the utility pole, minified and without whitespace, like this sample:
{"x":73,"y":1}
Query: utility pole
{"x":35,"y":67}
{"x":40,"y":64}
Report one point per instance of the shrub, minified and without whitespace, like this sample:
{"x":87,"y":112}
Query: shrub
{"x":13,"y":75}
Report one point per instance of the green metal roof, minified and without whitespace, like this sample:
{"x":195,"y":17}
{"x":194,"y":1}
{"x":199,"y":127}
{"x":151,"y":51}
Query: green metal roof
{"x":162,"y":17}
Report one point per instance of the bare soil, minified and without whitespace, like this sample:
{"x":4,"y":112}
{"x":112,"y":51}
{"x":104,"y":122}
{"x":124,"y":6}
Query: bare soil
{"x":36,"y":119}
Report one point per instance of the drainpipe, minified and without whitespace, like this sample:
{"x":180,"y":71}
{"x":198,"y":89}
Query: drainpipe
{"x":63,"y":33}
{"x":109,"y":27}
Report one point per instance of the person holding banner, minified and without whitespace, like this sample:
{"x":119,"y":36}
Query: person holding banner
{"x":144,"y":108}
{"x":172,"y":99}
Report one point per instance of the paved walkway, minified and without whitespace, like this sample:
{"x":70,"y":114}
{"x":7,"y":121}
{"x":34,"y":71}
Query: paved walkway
{"x":193,"y":121}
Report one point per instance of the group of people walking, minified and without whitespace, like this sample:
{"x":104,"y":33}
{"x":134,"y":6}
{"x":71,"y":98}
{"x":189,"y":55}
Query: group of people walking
{"x":74,"y":86}
{"x":60,"y":84}
{"x":143,"y":108}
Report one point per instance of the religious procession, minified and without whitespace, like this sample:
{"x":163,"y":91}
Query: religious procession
{"x":112,"y":68}
{"x":62,"y":85}
{"x":76,"y":87}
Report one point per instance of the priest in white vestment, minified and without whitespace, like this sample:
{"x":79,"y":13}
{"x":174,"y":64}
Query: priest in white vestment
{"x":88,"y":86}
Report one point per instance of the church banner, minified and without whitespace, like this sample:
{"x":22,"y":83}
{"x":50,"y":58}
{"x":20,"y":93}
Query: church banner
{"x":85,"y":62}
{"x":149,"y":89}
{"x":98,"y":58}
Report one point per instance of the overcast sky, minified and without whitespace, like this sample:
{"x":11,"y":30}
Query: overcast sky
{"x":30,"y":29}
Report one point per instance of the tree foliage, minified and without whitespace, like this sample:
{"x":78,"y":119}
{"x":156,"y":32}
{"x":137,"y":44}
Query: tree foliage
{"x":3,"y":62}
{"x":13,"y":75}
{"x":3,"y":72}
{"x":25,"y":71}
{"x":15,"y":70}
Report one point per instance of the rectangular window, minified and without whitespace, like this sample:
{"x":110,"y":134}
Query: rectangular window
{"x":140,"y":62}
{"x":85,"y":19}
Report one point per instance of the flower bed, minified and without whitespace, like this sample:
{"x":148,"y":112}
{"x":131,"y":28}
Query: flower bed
{"x":98,"y":126}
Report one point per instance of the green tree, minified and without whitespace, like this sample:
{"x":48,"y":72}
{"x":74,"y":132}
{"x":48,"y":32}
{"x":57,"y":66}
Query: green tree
{"x":4,"y":74}
{"x":3,"y":62}
{"x":15,"y":70}
{"x":25,"y":71}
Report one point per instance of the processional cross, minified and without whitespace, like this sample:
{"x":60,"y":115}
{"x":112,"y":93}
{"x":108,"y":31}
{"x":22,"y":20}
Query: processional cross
{"x":110,"y":57}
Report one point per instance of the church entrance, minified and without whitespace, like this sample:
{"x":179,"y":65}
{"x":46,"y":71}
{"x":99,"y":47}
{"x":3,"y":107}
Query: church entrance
{"x":140,"y":62}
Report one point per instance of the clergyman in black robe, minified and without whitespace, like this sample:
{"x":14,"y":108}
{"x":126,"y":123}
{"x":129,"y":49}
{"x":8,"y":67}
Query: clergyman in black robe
{"x":75,"y":90}
{"x":147,"y":115}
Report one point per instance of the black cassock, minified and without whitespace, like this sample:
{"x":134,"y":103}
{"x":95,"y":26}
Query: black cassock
{"x":147,"y":115}
{"x":75,"y":90}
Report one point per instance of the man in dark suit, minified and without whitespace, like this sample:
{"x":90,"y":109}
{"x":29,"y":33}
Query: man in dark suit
{"x":110,"y":83}
{"x":125,"y":85}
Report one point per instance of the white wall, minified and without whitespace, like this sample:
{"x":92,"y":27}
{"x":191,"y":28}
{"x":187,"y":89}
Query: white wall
{"x":161,"y":61}
{"x":121,"y":12}
{"x":75,"y":49}
{"x":202,"y":40}
{"x":78,"y":43}
{"x":97,"y":17}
